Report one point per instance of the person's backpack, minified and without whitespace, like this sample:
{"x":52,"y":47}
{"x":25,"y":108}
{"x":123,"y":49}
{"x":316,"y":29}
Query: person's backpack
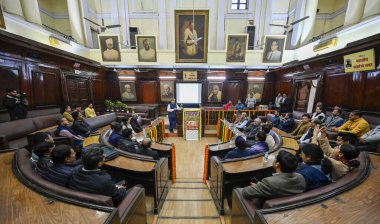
{"x":109,"y":152}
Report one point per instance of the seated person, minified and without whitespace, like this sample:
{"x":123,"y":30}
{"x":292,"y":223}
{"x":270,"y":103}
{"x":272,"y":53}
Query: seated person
{"x":64,"y":130}
{"x":66,"y":113}
{"x":239,"y":105}
{"x":89,"y":178}
{"x":77,"y":108}
{"x":370,"y":140}
{"x":60,"y":173}
{"x":240,"y":150}
{"x":343,"y":160}
{"x":228,"y":105}
{"x":287,"y":123}
{"x":269,"y":139}
{"x":276,"y":120}
{"x":80,"y":126}
{"x":237,"y":117}
{"x":251,"y":130}
{"x":334,"y":121}
{"x":90,"y":111}
{"x":315,"y":168}
{"x":260,"y":145}
{"x":135,"y":124}
{"x":286,"y":182}
{"x":115,"y":135}
{"x":306,"y":138}
{"x":38,"y":138}
{"x":243,"y":121}
{"x":355,"y":125}
{"x":302,"y":127}
{"x":251,"y":119}
{"x":319,"y":114}
{"x":126,"y":143}
{"x":43,"y":151}
{"x":271,"y":106}
{"x":145,"y":150}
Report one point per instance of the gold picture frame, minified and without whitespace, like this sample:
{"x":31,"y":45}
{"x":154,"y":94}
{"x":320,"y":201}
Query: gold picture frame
{"x":2,"y":21}
{"x":274,"y":48}
{"x":236,"y":47}
{"x":191,"y":36}
{"x":146,"y":48}
{"x":109,"y":47}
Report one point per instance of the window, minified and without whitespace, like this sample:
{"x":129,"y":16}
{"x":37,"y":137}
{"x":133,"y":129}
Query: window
{"x":239,"y":4}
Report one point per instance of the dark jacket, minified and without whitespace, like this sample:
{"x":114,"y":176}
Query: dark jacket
{"x":136,"y":126}
{"x":81,"y":128}
{"x":251,"y":133}
{"x":128,"y":145}
{"x":114,"y":138}
{"x":276,"y":121}
{"x":42,"y":165}
{"x":313,"y":175}
{"x":14,"y":106}
{"x":96,"y":182}
{"x":258,"y":147}
{"x":59,"y":174}
{"x":287,"y":125}
{"x":237,"y":153}
{"x":148,"y":152}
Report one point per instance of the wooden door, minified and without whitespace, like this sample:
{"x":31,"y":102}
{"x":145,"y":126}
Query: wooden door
{"x":148,"y":92}
{"x":78,"y":90}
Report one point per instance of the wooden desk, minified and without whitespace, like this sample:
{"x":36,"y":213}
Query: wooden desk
{"x":359,"y":205}
{"x":131,"y":164}
{"x":19,"y":204}
{"x":281,"y":132}
{"x":290,"y":143}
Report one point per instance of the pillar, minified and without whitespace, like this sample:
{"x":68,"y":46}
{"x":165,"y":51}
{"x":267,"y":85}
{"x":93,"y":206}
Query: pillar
{"x":354,"y":13}
{"x":372,"y":8}
{"x":31,"y":11}
{"x":13,"y":7}
{"x":297,"y":28}
{"x":309,"y":24}
{"x":75,"y":18}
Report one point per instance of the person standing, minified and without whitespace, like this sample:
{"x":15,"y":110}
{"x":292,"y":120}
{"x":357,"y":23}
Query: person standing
{"x":277,"y":101}
{"x":284,"y":104}
{"x":14,"y":105}
{"x":250,"y":101}
{"x":172,"y":114}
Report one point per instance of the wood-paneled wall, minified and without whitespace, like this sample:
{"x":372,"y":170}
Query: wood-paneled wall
{"x":358,"y":90}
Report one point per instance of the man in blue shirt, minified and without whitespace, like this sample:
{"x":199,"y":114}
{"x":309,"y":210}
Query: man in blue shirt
{"x":115,"y":135}
{"x":239,"y":151}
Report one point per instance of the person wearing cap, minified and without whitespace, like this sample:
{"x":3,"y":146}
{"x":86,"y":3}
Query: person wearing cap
{"x":240,"y":150}
{"x":111,"y":54}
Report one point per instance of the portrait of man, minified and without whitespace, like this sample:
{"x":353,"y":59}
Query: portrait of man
{"x":167,"y":90}
{"x":274,"y":47}
{"x":256,"y":89}
{"x":236,"y":48}
{"x":109,"y":46}
{"x":128,"y":91}
{"x":215,"y":92}
{"x":146,"y":46}
{"x":191,"y":35}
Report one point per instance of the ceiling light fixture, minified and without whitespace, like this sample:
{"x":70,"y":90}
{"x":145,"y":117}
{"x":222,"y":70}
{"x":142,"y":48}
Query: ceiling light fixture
{"x":124,"y":77}
{"x":256,"y":78}
{"x":216,"y":77}
{"x":167,"y":77}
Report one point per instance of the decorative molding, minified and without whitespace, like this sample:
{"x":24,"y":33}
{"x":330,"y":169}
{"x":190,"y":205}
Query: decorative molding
{"x":143,"y":11}
{"x":239,"y":16}
{"x":323,"y":16}
{"x":53,"y":15}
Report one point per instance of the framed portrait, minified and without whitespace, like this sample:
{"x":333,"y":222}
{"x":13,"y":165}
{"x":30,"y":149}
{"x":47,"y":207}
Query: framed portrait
{"x":167,"y":90}
{"x":127,"y":91}
{"x":257,"y":89}
{"x":214,"y":92}
{"x":191,"y":36}
{"x":236,"y":48}
{"x":2,"y":22}
{"x":109,"y":47}
{"x":146,"y":48}
{"x":274,"y":48}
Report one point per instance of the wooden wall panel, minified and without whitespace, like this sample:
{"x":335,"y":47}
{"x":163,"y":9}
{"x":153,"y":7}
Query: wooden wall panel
{"x":78,"y":91}
{"x":9,"y":79}
{"x":45,"y":89}
{"x":371,"y":94}
{"x":337,"y":90}
{"x":147,"y":92}
{"x":99,"y":91}
{"x":234,"y":90}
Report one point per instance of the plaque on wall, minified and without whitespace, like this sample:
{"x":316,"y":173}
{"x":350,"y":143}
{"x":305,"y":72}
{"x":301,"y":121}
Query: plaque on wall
{"x":190,"y":76}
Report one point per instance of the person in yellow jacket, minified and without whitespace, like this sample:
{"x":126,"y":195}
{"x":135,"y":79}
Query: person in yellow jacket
{"x":90,"y":111}
{"x":302,"y":127}
{"x":355,"y":125}
{"x":66,"y":113}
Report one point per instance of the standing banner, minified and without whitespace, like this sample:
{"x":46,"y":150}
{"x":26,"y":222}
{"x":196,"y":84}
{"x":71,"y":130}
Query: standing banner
{"x":192,"y":124}
{"x":360,"y":61}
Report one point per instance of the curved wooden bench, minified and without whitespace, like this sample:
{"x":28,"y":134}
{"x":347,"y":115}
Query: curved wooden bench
{"x":130,"y":208}
{"x":244,"y":210}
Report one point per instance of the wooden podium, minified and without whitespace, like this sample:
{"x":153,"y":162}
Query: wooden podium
{"x":180,"y":123}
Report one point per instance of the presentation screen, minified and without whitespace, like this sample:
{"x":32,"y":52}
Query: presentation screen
{"x":189,"y":93}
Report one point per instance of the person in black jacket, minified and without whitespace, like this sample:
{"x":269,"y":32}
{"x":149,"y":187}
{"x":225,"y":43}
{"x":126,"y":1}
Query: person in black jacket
{"x":146,"y":150}
{"x":89,"y":178}
{"x":80,"y":126}
{"x":63,"y":157}
{"x":135,"y":124}
{"x":42,"y":153}
{"x":126,"y":143}
{"x":284,"y":102}
{"x":14,"y":105}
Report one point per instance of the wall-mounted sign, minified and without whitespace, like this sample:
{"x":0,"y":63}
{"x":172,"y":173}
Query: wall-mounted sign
{"x":361,"y":61}
{"x":190,"y":76}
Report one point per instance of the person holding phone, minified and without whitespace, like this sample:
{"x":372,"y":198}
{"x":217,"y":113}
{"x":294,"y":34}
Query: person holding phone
{"x":172,"y":114}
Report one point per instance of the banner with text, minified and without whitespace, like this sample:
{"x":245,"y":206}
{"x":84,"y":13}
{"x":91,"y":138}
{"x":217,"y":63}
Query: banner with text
{"x":361,"y":61}
{"x":192,"y":124}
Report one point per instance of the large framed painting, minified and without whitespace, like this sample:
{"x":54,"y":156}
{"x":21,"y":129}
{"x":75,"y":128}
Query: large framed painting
{"x":109,"y":47}
{"x":214,"y":92}
{"x":2,"y":22}
{"x":146,"y":48}
{"x":167,"y":90}
{"x":256,"y":88}
{"x":236,"y":48}
{"x":274,"y":48}
{"x":191,"y":36}
{"x":127,"y":90}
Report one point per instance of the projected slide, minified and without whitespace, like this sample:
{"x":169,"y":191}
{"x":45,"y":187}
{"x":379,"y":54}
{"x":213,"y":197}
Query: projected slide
{"x":189,"y":93}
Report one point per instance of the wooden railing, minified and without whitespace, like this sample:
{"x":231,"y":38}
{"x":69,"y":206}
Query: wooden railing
{"x":213,"y":115}
{"x":156,"y":130}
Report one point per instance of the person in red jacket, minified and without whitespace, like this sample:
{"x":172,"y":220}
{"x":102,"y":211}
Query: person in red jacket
{"x":228,"y":105}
